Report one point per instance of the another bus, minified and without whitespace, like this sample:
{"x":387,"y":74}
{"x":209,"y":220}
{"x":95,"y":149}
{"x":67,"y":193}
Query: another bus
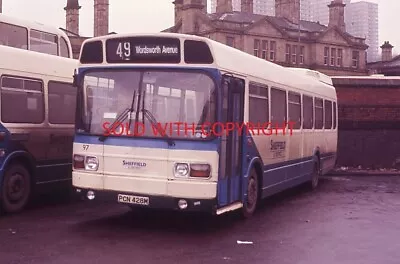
{"x":37,"y":117}
{"x":34,"y":36}
{"x":130,"y":81}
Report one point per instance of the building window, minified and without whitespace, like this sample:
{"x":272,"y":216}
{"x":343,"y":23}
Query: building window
{"x":326,"y":56}
{"x":256,"y":47}
{"x":43,"y":42}
{"x":287,"y":58}
{"x":294,"y":54}
{"x":355,"y":58}
{"x":258,"y":104}
{"x":264,"y":49}
{"x":13,"y":36}
{"x":272,"y":49}
{"x":301,"y":55}
{"x":333,"y":56}
{"x":27,"y":94}
{"x":339,"y":57}
{"x":62,"y":102}
{"x":230,"y":41}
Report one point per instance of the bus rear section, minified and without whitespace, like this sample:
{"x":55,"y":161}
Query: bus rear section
{"x":139,"y":138}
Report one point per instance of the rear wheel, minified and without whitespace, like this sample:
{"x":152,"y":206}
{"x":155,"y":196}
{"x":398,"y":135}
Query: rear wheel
{"x":313,"y":184}
{"x":253,"y":195}
{"x":16,"y":188}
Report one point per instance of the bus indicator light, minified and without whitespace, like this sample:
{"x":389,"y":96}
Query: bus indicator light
{"x":79,"y":162}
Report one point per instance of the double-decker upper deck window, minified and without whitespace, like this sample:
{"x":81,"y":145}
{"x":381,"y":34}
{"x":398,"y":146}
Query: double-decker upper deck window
{"x":13,"y":36}
{"x":22,"y":100}
{"x":64,"y":49}
{"x":43,"y":42}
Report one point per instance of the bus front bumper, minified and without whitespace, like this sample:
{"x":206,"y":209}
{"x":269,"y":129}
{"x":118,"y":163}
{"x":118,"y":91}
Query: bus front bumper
{"x":151,"y":201}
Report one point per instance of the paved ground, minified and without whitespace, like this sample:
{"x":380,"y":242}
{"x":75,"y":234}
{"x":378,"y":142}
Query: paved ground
{"x":348,"y":220}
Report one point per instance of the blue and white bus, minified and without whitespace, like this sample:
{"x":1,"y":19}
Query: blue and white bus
{"x":128,"y":79}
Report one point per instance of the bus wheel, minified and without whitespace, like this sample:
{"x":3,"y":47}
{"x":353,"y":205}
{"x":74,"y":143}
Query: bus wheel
{"x":250,"y":204}
{"x":16,"y":188}
{"x":313,"y":184}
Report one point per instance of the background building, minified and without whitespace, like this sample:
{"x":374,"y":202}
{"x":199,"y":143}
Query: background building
{"x":261,"y":7}
{"x":283,"y":39}
{"x":362,"y":21}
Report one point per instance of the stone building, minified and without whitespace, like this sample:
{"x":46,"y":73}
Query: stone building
{"x":389,"y":65}
{"x":101,"y":18}
{"x":283,"y":39}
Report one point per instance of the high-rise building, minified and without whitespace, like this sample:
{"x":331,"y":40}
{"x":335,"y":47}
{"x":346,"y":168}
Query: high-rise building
{"x":261,"y":7}
{"x":362,"y":21}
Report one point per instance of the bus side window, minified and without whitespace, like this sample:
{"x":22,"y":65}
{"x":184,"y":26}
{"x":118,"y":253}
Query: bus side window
{"x":22,"y":100}
{"x":13,"y":36}
{"x":278,"y":108}
{"x":328,"y":114}
{"x":62,"y":103}
{"x":258,"y":105}
{"x":319,"y":113}
{"x":295,"y":110}
{"x":308,"y":112}
{"x":334,"y":115}
{"x":43,"y":42}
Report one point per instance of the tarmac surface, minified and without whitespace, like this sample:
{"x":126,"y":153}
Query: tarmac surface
{"x":349,"y":219}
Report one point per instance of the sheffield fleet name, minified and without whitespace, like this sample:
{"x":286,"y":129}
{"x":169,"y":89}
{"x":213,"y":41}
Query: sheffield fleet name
{"x":156,"y":50}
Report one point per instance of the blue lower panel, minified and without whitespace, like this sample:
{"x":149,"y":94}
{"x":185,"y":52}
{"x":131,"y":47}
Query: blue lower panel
{"x":159,"y":202}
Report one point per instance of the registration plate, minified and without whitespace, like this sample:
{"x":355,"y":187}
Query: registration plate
{"x":131,"y":199}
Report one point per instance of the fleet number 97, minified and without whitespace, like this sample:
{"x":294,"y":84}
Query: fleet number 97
{"x":124,"y":50}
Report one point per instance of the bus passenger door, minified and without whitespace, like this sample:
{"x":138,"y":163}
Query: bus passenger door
{"x":229,"y":190}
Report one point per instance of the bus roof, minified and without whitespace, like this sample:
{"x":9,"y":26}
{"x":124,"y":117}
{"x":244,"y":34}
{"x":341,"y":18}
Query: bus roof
{"x":20,"y":60}
{"x":32,"y":25}
{"x":236,"y":61}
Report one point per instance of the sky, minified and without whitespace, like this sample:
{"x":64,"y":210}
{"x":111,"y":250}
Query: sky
{"x":137,"y":16}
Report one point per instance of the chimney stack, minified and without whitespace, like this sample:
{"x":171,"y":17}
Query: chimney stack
{"x":190,"y":11}
{"x":247,"y":6}
{"x":224,"y":6}
{"x":72,"y":16}
{"x":288,"y":9}
{"x":386,"y":51}
{"x":101,"y":17}
{"x":336,"y":14}
{"x":178,"y":10}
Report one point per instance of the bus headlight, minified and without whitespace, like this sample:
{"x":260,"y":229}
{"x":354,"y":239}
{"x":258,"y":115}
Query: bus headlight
{"x":181,"y":170}
{"x":91,"y":163}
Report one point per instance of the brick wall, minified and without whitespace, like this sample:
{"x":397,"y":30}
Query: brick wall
{"x":369,"y":121}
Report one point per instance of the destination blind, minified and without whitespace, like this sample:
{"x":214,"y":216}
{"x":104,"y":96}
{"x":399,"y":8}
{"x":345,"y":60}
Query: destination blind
{"x":143,"y":50}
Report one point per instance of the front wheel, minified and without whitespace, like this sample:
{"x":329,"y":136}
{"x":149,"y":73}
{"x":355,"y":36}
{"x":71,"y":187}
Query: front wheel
{"x":253,"y":195}
{"x":16,"y":188}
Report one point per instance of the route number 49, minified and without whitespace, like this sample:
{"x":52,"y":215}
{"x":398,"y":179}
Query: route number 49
{"x":124,"y":50}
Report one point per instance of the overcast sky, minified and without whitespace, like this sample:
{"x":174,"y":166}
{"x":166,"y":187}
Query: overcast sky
{"x":155,"y":15}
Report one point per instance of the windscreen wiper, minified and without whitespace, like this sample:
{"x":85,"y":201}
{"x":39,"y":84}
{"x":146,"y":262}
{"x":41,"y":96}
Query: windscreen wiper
{"x":154,"y":122}
{"x":117,"y":120}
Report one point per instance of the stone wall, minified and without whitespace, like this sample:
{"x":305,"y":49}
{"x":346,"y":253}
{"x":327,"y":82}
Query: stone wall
{"x":369,"y":121}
